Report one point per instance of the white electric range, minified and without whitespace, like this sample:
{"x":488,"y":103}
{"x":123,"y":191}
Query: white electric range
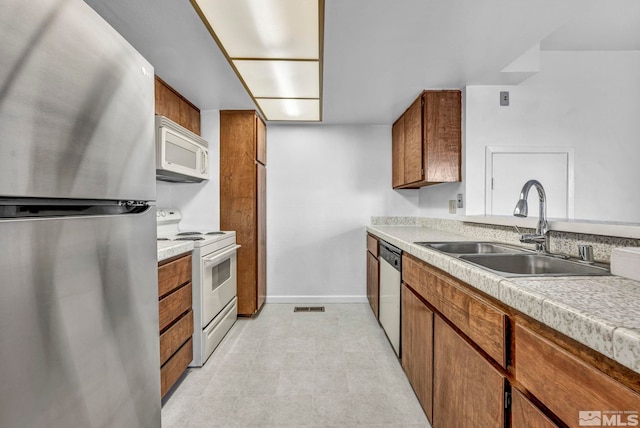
{"x":215,"y":307}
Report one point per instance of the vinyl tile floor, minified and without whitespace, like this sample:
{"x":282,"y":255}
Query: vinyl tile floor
{"x":284,"y":369}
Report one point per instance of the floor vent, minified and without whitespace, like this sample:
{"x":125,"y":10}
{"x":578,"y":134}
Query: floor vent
{"x":308,"y":309}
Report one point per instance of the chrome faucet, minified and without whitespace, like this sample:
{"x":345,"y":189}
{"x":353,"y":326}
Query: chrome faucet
{"x":541,"y":237}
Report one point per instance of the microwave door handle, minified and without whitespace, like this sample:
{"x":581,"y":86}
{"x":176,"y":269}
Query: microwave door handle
{"x":205,"y":162}
{"x":215,"y":259}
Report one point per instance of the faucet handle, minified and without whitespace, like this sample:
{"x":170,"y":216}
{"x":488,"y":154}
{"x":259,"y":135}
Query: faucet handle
{"x":518,"y":230}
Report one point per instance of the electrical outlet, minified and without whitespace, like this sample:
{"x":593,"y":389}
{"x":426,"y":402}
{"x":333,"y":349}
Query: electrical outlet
{"x":460,"y":204}
{"x":452,"y":206}
{"x":504,"y":98}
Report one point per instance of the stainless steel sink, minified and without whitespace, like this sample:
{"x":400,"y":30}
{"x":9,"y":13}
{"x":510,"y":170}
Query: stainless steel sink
{"x":472,"y":247}
{"x":512,"y":265}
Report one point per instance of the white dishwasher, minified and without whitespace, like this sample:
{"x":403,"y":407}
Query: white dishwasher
{"x":390,"y":282}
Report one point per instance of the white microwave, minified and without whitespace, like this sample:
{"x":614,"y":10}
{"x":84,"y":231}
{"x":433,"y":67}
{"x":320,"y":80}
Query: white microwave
{"x":181,"y":155}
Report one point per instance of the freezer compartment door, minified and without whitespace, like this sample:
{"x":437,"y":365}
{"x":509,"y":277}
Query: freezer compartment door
{"x":76,"y":106}
{"x":79,"y":315}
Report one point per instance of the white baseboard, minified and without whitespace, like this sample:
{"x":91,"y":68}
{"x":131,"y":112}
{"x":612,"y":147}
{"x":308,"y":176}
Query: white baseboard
{"x":316,"y":299}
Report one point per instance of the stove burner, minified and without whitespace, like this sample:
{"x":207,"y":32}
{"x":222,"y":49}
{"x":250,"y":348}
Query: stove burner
{"x":190,"y":238}
{"x":215,"y":233}
{"x":188,"y":233}
{"x":163,"y":239}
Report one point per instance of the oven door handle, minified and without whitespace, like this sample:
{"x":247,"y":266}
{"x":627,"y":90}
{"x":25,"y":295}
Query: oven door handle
{"x":216,"y":258}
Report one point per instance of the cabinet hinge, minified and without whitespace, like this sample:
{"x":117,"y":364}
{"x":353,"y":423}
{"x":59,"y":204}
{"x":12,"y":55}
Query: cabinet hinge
{"x":507,"y":399}
{"x":491,"y":183}
{"x":422,"y":172}
{"x":422,"y":102}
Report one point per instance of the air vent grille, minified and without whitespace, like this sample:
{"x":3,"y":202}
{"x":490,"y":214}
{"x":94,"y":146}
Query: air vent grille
{"x":308,"y":309}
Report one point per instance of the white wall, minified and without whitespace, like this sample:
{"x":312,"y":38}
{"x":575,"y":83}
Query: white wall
{"x":586,"y":100}
{"x":323,"y":185}
{"x":198,"y":202}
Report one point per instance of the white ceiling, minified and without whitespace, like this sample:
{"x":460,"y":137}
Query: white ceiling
{"x":379,"y":54}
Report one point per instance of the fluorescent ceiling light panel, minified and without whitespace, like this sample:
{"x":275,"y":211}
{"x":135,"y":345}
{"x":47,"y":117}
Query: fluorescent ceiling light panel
{"x":265,"y":28}
{"x":275,"y":48}
{"x":290,"y":109}
{"x":280,"y":79}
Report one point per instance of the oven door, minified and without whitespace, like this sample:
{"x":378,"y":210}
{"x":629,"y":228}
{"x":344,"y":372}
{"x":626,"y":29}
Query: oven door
{"x":218,"y":282}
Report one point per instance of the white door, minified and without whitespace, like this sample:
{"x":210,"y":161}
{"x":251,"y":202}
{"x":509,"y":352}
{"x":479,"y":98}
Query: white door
{"x":508,"y":171}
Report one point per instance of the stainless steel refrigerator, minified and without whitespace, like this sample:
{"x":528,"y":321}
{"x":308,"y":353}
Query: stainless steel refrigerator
{"x":78,"y":271}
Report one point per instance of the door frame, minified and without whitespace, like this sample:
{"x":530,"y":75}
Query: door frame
{"x":491,"y":150}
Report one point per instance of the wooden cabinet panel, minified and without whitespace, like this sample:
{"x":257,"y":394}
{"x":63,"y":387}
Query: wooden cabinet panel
{"x":417,"y":347}
{"x":443,"y":134}
{"x":565,"y":384}
{"x":173,"y":274}
{"x":173,"y":369}
{"x":481,"y":322}
{"x":413,"y":142}
{"x":172,"y":339}
{"x":468,"y":391}
{"x":261,"y":141}
{"x":262,"y":234}
{"x":524,"y":414}
{"x":397,"y":152}
{"x":372,"y":245}
{"x":243,"y":204}
{"x":174,"y":305}
{"x":189,"y":117}
{"x":171,"y":104}
{"x":373,"y":283}
{"x":427,"y":141}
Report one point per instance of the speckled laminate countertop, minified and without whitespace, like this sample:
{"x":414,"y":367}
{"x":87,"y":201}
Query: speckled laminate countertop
{"x":168,"y":249}
{"x":602,"y":313}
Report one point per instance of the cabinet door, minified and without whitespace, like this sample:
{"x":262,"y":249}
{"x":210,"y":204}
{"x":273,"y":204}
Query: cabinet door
{"x":397,"y":152}
{"x":467,"y":390}
{"x":373,"y":290}
{"x":413,"y":143}
{"x":262,"y":234}
{"x":261,"y":143}
{"x":568,"y":386}
{"x":167,"y":101}
{"x":417,"y":347}
{"x":442,"y":136}
{"x":524,"y":414}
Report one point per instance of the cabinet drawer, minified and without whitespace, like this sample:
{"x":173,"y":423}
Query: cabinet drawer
{"x":372,"y":245}
{"x":483,"y":323}
{"x":173,"y":274}
{"x":567,"y":385}
{"x":173,"y":369}
{"x":175,"y":336}
{"x":174,"y":305}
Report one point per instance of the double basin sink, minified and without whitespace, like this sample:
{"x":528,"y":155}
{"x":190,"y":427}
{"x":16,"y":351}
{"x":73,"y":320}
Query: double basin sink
{"x":511,"y":261}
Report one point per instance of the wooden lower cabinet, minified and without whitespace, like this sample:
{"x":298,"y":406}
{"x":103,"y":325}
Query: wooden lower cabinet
{"x":417,"y":347}
{"x":524,"y":414}
{"x":568,"y":386}
{"x":467,"y":390}
{"x":175,"y":319}
{"x":373,"y":283}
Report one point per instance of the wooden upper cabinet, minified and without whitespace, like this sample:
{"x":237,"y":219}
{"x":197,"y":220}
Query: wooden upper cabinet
{"x":413,"y":142}
{"x":427,"y":141}
{"x":171,"y":104}
{"x":261,"y":137}
{"x":397,"y":152}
